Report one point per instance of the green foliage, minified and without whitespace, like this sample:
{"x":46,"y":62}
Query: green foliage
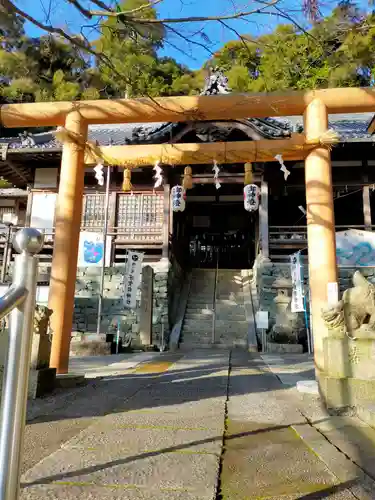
{"x":135,"y":68}
{"x":4,"y":184}
{"x":337,"y":51}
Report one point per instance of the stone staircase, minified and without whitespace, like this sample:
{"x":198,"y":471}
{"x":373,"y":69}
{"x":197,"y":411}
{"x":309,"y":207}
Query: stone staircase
{"x":215,"y":313}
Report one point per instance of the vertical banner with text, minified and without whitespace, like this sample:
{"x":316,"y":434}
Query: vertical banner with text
{"x":297,"y":304}
{"x":132,"y":279}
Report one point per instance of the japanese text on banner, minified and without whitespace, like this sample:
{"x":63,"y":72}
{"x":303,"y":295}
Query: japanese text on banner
{"x":297,"y":304}
{"x":132,"y":279}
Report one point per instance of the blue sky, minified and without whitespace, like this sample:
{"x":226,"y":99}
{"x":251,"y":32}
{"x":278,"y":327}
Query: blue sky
{"x":64,"y":15}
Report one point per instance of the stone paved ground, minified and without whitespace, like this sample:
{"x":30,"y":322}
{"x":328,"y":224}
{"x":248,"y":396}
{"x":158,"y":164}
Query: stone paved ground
{"x":202,"y":425}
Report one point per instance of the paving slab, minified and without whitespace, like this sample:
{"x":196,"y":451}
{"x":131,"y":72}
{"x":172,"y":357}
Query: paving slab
{"x":191,"y":471}
{"x":159,"y":433}
{"x":120,"y":492}
{"x":264,"y":456}
{"x":141,"y":438}
{"x":165,"y":438}
{"x":99,"y":366}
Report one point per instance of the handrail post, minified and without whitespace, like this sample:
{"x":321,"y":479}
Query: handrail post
{"x":6,"y":254}
{"x":27,"y":242}
{"x":213,"y":340}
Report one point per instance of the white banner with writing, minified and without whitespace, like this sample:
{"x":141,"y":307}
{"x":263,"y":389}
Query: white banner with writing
{"x":297,"y":304}
{"x":132,"y":278}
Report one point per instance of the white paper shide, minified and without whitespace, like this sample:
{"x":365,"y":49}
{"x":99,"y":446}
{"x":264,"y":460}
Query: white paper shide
{"x":132,"y":278}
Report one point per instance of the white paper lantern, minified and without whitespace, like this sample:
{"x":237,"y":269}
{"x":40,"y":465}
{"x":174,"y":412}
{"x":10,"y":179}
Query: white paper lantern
{"x":251,"y":197}
{"x":178,"y":198}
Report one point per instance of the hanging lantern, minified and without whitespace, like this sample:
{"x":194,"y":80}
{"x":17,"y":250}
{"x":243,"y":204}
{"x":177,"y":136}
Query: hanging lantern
{"x":178,"y":198}
{"x":251,"y":195}
{"x":248,"y":179}
{"x":187,"y":181}
{"x":126,"y":183}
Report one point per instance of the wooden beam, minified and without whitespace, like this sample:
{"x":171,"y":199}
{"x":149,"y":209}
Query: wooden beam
{"x":202,"y":153}
{"x":188,"y":108}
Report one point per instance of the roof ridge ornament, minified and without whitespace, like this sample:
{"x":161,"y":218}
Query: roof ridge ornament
{"x":216,"y":83}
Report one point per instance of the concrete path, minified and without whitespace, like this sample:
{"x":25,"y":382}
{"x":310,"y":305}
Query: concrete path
{"x":203,"y":425}
{"x":110,"y":365}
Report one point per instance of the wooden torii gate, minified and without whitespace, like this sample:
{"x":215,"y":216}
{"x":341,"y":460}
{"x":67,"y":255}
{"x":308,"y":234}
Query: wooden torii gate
{"x":76,"y":116}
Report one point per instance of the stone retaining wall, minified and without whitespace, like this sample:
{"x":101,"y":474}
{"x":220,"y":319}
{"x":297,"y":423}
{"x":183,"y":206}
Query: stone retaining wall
{"x":86,"y":301}
{"x":272,"y":276}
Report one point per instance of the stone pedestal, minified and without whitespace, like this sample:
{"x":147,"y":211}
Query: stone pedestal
{"x":284,"y":348}
{"x":349,"y":376}
{"x":286,"y":328}
{"x":90,"y":345}
{"x":42,"y":377}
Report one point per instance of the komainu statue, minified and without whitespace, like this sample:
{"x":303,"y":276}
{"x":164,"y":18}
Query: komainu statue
{"x":354,"y":314}
{"x":41,"y":319}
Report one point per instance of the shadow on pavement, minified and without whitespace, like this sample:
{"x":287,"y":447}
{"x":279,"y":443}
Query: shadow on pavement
{"x":332,"y":490}
{"x":126,"y":392}
{"x":141,"y":456}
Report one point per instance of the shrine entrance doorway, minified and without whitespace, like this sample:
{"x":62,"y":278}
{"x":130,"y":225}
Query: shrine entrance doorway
{"x":218,"y":231}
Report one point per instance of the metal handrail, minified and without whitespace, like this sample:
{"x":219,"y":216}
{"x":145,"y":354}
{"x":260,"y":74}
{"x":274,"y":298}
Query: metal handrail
{"x":12,"y":298}
{"x":19,"y":302}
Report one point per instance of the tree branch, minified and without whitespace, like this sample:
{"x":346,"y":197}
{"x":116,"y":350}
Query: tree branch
{"x":189,"y":40}
{"x":76,"y":41}
{"x":175,"y":20}
{"x":145,"y":6}
{"x":102,"y":5}
{"x":81,"y":8}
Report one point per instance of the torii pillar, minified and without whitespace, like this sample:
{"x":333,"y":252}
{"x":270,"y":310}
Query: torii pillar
{"x":65,"y":253}
{"x":320,"y":224}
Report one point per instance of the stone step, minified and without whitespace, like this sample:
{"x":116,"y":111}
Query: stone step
{"x":220,"y":323}
{"x":221,"y":327}
{"x":202,"y":303}
{"x":198,"y":316}
{"x":199,"y":309}
{"x":209,"y":345}
{"x":201,"y":296}
{"x":201,"y":290}
{"x":221,"y":309}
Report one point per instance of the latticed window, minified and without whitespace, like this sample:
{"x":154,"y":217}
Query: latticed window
{"x":93,"y":211}
{"x":140,"y":216}
{"x":6,"y":210}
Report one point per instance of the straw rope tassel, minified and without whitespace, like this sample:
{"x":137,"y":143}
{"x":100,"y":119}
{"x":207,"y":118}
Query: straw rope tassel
{"x":248,"y":179}
{"x":187,"y":182}
{"x":126,"y":183}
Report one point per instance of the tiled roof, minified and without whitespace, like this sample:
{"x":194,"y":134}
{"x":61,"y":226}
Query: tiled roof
{"x":350,"y":127}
